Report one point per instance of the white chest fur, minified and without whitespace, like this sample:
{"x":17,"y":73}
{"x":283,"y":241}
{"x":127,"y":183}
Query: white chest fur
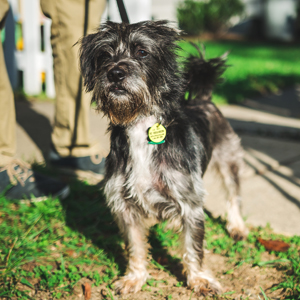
{"x":141,"y":173}
{"x":140,"y":151}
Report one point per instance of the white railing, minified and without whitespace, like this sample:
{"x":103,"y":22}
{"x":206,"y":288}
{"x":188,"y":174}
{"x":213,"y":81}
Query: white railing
{"x":31,"y":59}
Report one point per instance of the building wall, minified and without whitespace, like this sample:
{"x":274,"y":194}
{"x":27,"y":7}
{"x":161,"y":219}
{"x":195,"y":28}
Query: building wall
{"x":164,"y":9}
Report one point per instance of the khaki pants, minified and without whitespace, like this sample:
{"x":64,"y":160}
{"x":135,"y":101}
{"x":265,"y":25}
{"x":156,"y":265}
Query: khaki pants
{"x":70,"y":136}
{"x":7,"y":105}
{"x":71,"y":127}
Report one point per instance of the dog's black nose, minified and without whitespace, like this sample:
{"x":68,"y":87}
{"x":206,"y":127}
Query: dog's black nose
{"x":116,"y":75}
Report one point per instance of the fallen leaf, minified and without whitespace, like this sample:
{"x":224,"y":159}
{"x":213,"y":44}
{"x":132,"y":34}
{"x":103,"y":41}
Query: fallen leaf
{"x":70,"y":252}
{"x":87,"y":291}
{"x":274,"y":245}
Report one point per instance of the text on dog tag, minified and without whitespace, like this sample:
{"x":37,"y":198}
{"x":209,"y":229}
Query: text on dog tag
{"x":157,"y":133}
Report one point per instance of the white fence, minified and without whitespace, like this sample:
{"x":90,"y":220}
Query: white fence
{"x":31,"y":59}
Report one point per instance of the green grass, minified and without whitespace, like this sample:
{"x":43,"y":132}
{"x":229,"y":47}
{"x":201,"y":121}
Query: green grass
{"x":255,"y":68}
{"x":251,"y":251}
{"x":51,"y":242}
{"x":48,"y":247}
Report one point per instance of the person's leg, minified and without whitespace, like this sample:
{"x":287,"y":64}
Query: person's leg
{"x":4,"y":6}
{"x":7,"y":111}
{"x":17,"y":180}
{"x":71,"y":133}
{"x":70,"y":20}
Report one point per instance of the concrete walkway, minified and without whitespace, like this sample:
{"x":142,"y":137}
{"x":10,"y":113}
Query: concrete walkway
{"x":271,"y":139}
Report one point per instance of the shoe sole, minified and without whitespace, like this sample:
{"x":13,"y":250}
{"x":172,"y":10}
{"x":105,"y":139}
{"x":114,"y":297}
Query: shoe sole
{"x":62,"y":194}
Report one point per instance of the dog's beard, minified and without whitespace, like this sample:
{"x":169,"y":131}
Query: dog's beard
{"x":123,"y":102}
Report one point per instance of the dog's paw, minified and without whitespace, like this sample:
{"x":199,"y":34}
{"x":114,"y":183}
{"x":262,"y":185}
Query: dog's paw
{"x":129,"y":284}
{"x":205,"y":286}
{"x":238,"y":233}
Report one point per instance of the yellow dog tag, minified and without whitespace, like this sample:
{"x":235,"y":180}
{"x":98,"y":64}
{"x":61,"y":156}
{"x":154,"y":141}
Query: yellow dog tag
{"x":157,"y":134}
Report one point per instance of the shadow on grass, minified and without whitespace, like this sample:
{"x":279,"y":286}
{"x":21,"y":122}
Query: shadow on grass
{"x":86,"y":213}
{"x":216,"y":220}
{"x":161,"y":255}
{"x":254,"y":85}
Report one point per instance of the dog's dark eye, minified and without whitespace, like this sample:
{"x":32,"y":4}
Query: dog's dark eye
{"x":105,"y":55}
{"x":141,"y":53}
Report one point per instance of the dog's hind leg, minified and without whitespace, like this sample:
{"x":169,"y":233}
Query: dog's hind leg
{"x":192,"y":243}
{"x":228,"y":160}
{"x":136,"y":244}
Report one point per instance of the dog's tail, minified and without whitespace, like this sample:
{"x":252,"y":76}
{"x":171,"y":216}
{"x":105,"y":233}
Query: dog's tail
{"x":201,"y":75}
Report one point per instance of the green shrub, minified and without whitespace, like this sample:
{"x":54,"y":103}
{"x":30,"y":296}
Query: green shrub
{"x":195,"y":16}
{"x":190,"y":16}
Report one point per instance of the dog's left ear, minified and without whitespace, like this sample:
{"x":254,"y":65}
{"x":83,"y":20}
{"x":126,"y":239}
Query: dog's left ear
{"x":88,"y":59}
{"x":168,"y":26}
{"x":167,"y":29}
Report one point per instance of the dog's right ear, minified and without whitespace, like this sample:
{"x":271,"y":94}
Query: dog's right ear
{"x":87,"y":60}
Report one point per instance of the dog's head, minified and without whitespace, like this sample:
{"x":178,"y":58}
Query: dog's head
{"x":129,"y":67}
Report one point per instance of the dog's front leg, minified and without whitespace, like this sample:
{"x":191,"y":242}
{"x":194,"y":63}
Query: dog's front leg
{"x":192,"y":242}
{"x":135,"y":238}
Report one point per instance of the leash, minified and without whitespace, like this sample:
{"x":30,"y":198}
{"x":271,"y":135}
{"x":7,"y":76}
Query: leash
{"x":122,"y":11}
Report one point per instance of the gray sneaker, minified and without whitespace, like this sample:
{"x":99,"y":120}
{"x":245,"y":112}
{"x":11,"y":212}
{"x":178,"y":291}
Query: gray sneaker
{"x":19,"y":182}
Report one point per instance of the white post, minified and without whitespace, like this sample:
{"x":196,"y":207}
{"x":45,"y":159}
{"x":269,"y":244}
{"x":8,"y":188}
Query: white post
{"x":137,"y":10}
{"x":32,"y":47}
{"x":48,"y":60}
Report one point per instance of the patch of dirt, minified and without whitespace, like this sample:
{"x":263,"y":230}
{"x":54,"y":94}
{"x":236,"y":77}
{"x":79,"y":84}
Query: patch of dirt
{"x":242,"y":282}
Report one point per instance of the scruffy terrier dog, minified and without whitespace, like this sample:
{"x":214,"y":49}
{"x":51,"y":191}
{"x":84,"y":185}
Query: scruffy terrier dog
{"x":161,"y":143}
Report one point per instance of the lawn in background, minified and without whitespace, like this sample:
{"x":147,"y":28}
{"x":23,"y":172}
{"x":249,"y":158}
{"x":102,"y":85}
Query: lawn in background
{"x":254,"y":68}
